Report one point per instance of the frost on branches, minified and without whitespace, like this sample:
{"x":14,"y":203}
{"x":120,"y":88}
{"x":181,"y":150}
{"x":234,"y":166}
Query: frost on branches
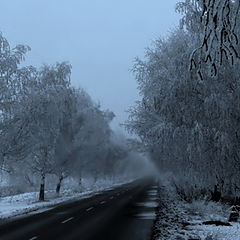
{"x":217,"y":20}
{"x":51,"y":130}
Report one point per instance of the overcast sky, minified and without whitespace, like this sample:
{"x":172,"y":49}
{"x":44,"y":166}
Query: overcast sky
{"x":100,"y":38}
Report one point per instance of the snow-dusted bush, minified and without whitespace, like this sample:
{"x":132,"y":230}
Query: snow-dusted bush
{"x":213,"y":211}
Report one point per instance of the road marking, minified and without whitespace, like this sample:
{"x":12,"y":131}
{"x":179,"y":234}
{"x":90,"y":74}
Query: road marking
{"x":67,"y":220}
{"x":102,"y":202}
{"x":111,"y":197}
{"x":89,"y":209}
{"x":33,"y":238}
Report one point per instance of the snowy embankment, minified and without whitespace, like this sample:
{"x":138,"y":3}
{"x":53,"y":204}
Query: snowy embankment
{"x":26,"y":203}
{"x":177,"y":220}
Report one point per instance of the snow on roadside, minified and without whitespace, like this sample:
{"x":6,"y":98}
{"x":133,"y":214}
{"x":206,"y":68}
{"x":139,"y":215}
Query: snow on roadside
{"x":25,"y":203}
{"x":206,"y":211}
{"x":178,"y":220}
{"x":217,"y":232}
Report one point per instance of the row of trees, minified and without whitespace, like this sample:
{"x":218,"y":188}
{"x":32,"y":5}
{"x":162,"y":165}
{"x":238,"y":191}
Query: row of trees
{"x":190,"y":124}
{"x":49,"y":127}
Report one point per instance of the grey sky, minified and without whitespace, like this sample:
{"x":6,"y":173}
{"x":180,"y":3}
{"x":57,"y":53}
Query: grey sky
{"x":100,"y":38}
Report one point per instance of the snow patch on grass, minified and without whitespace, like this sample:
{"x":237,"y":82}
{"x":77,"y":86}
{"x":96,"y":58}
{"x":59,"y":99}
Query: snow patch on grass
{"x":217,"y":232}
{"x":178,"y":220}
{"x":200,"y":211}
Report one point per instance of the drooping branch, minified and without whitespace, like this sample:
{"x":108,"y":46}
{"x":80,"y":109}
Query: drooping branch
{"x":217,"y":20}
{"x":220,"y":40}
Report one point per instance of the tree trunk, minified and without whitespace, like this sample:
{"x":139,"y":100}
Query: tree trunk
{"x":216,"y":194}
{"x":95,"y":177}
{"x":59,"y":184}
{"x":80,"y":181}
{"x":42,"y":188}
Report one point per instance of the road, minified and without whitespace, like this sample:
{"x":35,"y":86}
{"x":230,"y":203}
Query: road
{"x":124,"y":213}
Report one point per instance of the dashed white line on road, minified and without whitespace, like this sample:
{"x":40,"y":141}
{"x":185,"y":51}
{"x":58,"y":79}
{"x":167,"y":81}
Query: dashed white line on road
{"x":102,"y":202}
{"x":33,"y":238}
{"x":89,"y":209}
{"x":67,"y":220}
{"x":111,"y":197}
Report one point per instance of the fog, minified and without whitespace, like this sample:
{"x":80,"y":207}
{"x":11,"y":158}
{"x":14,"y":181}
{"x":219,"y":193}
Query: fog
{"x":119,"y":119}
{"x":99,"y":38}
{"x":66,"y":89}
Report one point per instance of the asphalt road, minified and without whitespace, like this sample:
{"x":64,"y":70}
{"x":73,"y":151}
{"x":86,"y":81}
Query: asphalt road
{"x":124,"y":213}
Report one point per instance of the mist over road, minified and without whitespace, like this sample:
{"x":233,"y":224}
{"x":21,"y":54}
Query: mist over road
{"x":126,"y":212}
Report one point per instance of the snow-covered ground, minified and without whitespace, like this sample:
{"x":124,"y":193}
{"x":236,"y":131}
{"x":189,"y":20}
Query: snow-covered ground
{"x":25,"y":203}
{"x":200,"y":211}
{"x":218,"y":232}
{"x":177,"y":220}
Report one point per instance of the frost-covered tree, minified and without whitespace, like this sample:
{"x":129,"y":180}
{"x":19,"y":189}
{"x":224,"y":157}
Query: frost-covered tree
{"x":48,"y":127}
{"x":13,"y":135}
{"x":44,"y":105}
{"x":65,"y":139}
{"x":95,"y":135}
{"x":189,"y":126}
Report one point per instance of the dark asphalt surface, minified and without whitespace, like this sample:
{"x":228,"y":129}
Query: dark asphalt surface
{"x":124,"y":213}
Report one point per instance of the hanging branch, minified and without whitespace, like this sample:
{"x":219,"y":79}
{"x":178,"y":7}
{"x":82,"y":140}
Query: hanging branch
{"x":219,"y":41}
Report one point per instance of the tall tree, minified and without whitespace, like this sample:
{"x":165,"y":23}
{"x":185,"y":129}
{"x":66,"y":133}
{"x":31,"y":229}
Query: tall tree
{"x":13,"y":135}
{"x":45,"y":103}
